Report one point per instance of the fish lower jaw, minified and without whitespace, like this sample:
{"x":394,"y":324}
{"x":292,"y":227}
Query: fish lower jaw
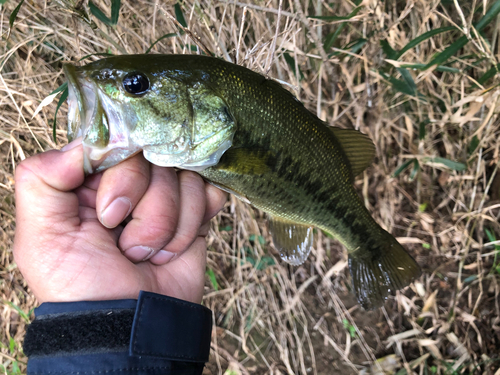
{"x":97,"y":159}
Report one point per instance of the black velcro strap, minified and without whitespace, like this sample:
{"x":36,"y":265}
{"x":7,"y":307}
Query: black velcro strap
{"x":160,"y":326}
{"x":88,"y":332}
{"x":184,"y":329}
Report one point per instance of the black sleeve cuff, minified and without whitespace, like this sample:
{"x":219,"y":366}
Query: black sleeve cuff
{"x":154,"y":326}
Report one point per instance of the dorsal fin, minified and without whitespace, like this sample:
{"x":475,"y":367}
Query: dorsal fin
{"x":358,"y":147}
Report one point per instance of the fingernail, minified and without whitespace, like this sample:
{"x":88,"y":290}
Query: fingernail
{"x":139,"y":253}
{"x":162,"y":257}
{"x":70,"y":146}
{"x":116,"y":212}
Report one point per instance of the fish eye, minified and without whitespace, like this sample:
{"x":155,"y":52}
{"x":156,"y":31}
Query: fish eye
{"x":136,"y":83}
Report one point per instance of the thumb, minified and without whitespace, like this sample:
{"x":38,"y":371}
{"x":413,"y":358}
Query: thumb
{"x":42,"y":183}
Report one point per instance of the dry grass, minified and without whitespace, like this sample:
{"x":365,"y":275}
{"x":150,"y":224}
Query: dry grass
{"x":272,"y":318}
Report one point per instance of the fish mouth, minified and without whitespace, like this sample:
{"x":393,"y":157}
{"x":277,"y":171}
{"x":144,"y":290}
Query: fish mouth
{"x":102,"y":123}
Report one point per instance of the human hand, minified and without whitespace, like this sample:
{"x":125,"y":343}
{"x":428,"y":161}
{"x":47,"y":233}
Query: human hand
{"x":71,"y":243}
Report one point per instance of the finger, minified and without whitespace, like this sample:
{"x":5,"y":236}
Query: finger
{"x":191,"y":214}
{"x":154,"y":219}
{"x":93,"y":181}
{"x":216,"y":198}
{"x":45,"y":205}
{"x":86,"y":197}
{"x":120,"y":189}
{"x":43,"y":180}
{"x":87,"y":193}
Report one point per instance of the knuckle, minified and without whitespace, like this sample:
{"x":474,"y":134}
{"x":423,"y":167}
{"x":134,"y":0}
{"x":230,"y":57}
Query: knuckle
{"x":136,"y":172}
{"x":191,"y":180}
{"x":160,"y":227}
{"x":24,"y":171}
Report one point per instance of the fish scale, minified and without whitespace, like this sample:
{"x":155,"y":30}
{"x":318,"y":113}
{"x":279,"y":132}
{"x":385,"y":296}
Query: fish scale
{"x":285,"y":139}
{"x":249,"y":136}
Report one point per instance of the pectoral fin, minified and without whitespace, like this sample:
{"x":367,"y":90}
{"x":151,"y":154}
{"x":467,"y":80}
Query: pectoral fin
{"x":237,"y":194}
{"x":246,"y":161}
{"x":292,"y":240}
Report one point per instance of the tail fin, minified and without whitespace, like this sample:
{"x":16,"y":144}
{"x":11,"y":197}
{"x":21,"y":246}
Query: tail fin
{"x":380,"y":270}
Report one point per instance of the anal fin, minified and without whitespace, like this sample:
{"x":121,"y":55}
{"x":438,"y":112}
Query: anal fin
{"x":292,"y":240}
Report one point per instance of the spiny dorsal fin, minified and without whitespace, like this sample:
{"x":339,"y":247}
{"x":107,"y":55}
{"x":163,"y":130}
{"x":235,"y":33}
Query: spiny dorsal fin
{"x":358,"y":147}
{"x":292,"y":240}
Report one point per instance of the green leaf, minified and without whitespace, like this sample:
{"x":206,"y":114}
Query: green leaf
{"x":453,"y":49}
{"x":439,"y":68}
{"x":213,"y":280}
{"x":62,"y":99}
{"x":179,"y":15}
{"x":388,"y":50}
{"x":414,"y":171}
{"x":20,"y":311}
{"x":115,"y":11}
{"x":489,"y":74}
{"x":169,"y":35}
{"x":489,"y":16}
{"x":473,"y":144}
{"x":470,"y":279}
{"x":403,"y":166}
{"x":332,"y":37}
{"x":337,"y":18}
{"x":419,"y":39}
{"x":356,"y":45}
{"x":13,"y":15}
{"x":408,"y":79}
{"x":401,"y":86}
{"x":254,"y":237}
{"x":421,"y":129}
{"x":327,"y":235}
{"x":12,"y":345}
{"x":349,"y":327}
{"x":99,"y":14}
{"x":15,"y":369}
{"x":456,"y":166}
{"x":227,"y":228}
{"x":63,"y":87}
{"x":264,"y":263}
{"x":291,"y":63}
{"x":491,"y":237}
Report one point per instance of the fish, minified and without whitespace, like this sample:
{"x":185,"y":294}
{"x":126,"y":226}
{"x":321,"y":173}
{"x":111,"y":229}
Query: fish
{"x":249,"y":136}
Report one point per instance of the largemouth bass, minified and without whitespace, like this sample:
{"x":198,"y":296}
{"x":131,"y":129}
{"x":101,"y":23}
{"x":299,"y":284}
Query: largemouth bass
{"x":249,"y":136}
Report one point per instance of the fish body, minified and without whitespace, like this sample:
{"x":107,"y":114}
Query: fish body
{"x":249,"y":136}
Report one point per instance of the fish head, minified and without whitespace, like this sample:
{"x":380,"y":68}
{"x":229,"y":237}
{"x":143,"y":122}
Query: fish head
{"x":121,"y":106}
